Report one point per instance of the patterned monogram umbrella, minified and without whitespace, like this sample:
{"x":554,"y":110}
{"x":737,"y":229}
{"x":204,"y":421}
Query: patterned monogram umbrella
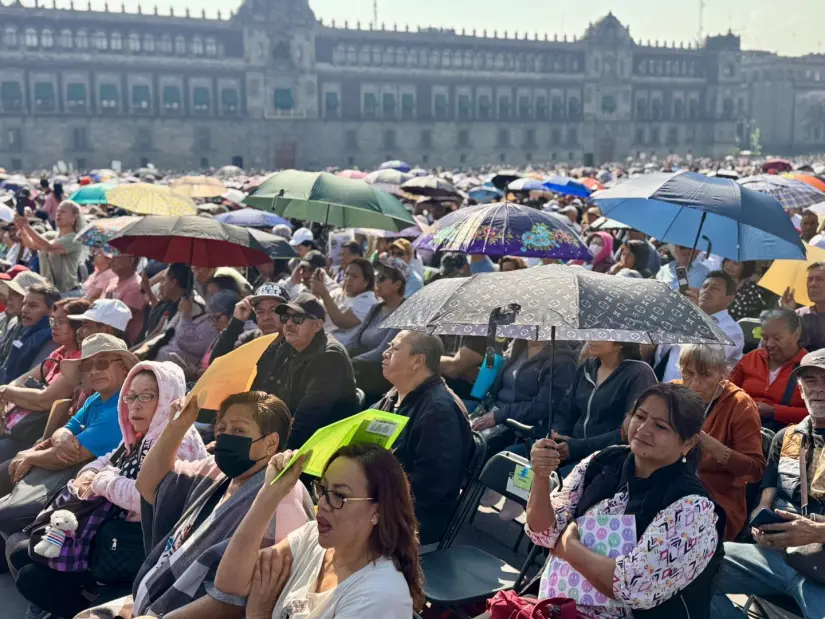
{"x":559,"y":302}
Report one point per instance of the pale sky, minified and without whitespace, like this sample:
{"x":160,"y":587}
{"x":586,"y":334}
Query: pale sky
{"x":793,"y":27}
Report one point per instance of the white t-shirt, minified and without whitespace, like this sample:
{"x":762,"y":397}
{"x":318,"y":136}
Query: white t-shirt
{"x":377,"y":591}
{"x":360,"y":306}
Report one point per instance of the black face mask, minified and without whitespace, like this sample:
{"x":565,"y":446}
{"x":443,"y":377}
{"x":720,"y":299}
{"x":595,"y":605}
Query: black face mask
{"x":232,"y":454}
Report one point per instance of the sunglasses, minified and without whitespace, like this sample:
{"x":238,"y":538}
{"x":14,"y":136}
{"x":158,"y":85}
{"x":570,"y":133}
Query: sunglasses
{"x":298,"y":319}
{"x":145,"y":398}
{"x":96,"y":364}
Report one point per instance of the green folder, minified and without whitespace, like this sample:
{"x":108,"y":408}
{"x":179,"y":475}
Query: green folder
{"x":371,"y":426}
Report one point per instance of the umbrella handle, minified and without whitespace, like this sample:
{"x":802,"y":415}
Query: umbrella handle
{"x":552,"y":371}
{"x":696,"y":240}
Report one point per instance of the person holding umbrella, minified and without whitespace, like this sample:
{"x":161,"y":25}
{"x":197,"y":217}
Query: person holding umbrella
{"x":683,"y":257}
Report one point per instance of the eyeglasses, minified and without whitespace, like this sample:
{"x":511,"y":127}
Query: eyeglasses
{"x":58,"y":322}
{"x":298,"y":319}
{"x":336,"y":500}
{"x":145,"y":398}
{"x":96,"y":364}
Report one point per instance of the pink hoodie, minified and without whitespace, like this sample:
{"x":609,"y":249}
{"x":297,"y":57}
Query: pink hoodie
{"x":108,"y":482}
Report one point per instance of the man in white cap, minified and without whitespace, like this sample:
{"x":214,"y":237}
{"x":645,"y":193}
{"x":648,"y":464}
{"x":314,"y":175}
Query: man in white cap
{"x":267,"y":297}
{"x":109,"y":316}
{"x":92,"y":432}
{"x":302,"y":241}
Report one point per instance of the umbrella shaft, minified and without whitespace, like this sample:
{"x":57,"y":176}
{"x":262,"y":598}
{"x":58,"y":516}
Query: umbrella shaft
{"x":696,"y":240}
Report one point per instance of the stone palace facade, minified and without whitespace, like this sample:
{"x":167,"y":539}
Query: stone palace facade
{"x":273,"y":87}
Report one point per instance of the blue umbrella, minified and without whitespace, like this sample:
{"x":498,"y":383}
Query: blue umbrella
{"x":527,"y":184}
{"x":485,"y":193}
{"x":252,"y":218}
{"x":566,"y":186}
{"x":401,"y":166}
{"x":684,"y":207}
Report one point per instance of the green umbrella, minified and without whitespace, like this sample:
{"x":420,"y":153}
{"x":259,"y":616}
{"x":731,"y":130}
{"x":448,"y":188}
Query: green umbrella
{"x":330,"y":199}
{"x":92,"y":194}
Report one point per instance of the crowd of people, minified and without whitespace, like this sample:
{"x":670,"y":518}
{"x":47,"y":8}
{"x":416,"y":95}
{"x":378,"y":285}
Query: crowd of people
{"x":99,"y":349}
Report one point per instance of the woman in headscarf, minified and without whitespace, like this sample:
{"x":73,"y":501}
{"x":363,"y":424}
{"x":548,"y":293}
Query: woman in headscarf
{"x":600,"y":245}
{"x":143,"y":412}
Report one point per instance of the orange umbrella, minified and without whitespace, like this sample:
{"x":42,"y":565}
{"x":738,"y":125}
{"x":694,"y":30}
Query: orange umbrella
{"x":808,"y":179}
{"x":592,"y":184}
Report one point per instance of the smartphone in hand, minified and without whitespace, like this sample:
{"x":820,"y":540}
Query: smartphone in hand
{"x":682,"y":278}
{"x":766,"y":516}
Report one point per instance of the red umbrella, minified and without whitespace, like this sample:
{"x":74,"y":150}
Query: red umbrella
{"x":193,"y":240}
{"x":775,"y":166}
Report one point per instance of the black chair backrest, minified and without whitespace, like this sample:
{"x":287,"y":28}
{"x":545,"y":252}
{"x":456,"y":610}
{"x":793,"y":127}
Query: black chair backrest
{"x":469,"y":490}
{"x":498,"y":476}
{"x":767,"y":440}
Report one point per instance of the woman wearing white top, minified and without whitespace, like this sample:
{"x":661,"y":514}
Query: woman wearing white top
{"x":349,"y":305}
{"x":358,"y":560}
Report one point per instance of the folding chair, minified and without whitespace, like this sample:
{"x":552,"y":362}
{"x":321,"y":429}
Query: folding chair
{"x":468,"y":487}
{"x":773,"y":607}
{"x":456,"y":575}
{"x":749,"y":330}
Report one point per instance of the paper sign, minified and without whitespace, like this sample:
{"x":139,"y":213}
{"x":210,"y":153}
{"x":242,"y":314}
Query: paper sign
{"x":336,"y":240}
{"x":523,"y":477}
{"x":116,"y":165}
{"x":233,"y":373}
{"x":371,"y":426}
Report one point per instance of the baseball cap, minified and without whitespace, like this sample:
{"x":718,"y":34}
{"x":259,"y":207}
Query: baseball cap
{"x":394,"y":264}
{"x":301,"y":235}
{"x":269,"y":290}
{"x":815,"y":359}
{"x":112,"y":312}
{"x":314,"y":259}
{"x":403,"y":245}
{"x":305,"y":304}
{"x":21,"y":283}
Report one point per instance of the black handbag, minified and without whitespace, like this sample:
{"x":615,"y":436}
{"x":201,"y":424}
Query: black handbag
{"x":117,"y":552}
{"x":808,"y":560}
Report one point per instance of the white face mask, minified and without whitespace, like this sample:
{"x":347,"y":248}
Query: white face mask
{"x":595,"y":249}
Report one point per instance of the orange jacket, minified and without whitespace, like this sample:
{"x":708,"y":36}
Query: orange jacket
{"x":752,"y":375}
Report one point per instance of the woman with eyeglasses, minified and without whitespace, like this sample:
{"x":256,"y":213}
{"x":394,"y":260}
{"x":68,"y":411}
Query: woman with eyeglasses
{"x":143,"y":412}
{"x":31,"y":396}
{"x":372,"y":339}
{"x":359,"y":559}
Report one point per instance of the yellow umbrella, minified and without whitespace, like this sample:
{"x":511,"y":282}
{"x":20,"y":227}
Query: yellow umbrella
{"x":232,"y":373}
{"x":198,"y":187}
{"x":149,"y":199}
{"x":792,"y":273}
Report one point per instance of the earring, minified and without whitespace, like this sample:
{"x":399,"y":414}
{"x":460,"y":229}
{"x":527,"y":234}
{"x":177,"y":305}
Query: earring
{"x":684,"y":460}
{"x":374,"y":520}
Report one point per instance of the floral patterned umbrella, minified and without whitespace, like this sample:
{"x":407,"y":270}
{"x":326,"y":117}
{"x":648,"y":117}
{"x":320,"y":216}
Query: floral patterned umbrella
{"x":99,"y":232}
{"x":507,"y":229}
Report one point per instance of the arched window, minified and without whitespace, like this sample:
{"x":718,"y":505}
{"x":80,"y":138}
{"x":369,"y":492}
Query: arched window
{"x":389,"y":56}
{"x":211,"y":47}
{"x":400,"y":56}
{"x":81,"y":39}
{"x":499,"y":61}
{"x":30,"y":37}
{"x":447,"y":59}
{"x":180,"y":45}
{"x":364,"y":55}
{"x":423,"y":57}
{"x":66,"y":39}
{"x":522,"y":63}
{"x":376,"y":55}
{"x":468,"y":60}
{"x":412,"y":58}
{"x":166,"y":44}
{"x":99,"y":40}
{"x":352,"y":55}
{"x":197,"y":46}
{"x":46,"y":38}
{"x":148,"y":43}
{"x":10,"y":37}
{"x":116,"y":42}
{"x":435,"y":58}
{"x":339,"y":54}
{"x":133,"y":42}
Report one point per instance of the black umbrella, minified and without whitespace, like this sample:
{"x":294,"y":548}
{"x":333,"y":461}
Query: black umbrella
{"x":557,"y":302}
{"x":193,"y":240}
{"x":276,"y":247}
{"x":502,"y":178}
{"x":430,"y":186}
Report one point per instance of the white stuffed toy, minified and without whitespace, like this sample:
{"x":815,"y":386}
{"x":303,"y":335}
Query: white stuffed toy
{"x":62,"y":524}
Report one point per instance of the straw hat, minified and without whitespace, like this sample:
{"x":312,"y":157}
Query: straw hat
{"x":94,"y":345}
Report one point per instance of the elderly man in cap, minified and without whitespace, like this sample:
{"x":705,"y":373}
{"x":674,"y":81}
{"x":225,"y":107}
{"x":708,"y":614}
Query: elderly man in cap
{"x":109,"y":316}
{"x":263,"y":303}
{"x":796,"y":494}
{"x":92,"y":432}
{"x":310,"y":371}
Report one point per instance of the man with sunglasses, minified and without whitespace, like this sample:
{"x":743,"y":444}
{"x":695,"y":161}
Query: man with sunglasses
{"x":309,"y":370}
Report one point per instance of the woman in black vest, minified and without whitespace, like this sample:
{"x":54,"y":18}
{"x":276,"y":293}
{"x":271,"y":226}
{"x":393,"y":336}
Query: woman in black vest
{"x":668,"y":569}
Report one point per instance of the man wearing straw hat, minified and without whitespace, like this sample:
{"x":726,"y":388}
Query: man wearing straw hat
{"x":94,"y":430}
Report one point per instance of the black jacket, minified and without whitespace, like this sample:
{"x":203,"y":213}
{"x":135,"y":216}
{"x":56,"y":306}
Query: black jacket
{"x":613,"y":470}
{"x":434,"y":448}
{"x":533,"y":384}
{"x":316,"y":384}
{"x":592,"y":416}
{"x":232,"y":337}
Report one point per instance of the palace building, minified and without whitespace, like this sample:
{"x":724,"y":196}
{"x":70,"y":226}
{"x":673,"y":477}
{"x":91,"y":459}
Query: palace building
{"x":271,"y":86}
